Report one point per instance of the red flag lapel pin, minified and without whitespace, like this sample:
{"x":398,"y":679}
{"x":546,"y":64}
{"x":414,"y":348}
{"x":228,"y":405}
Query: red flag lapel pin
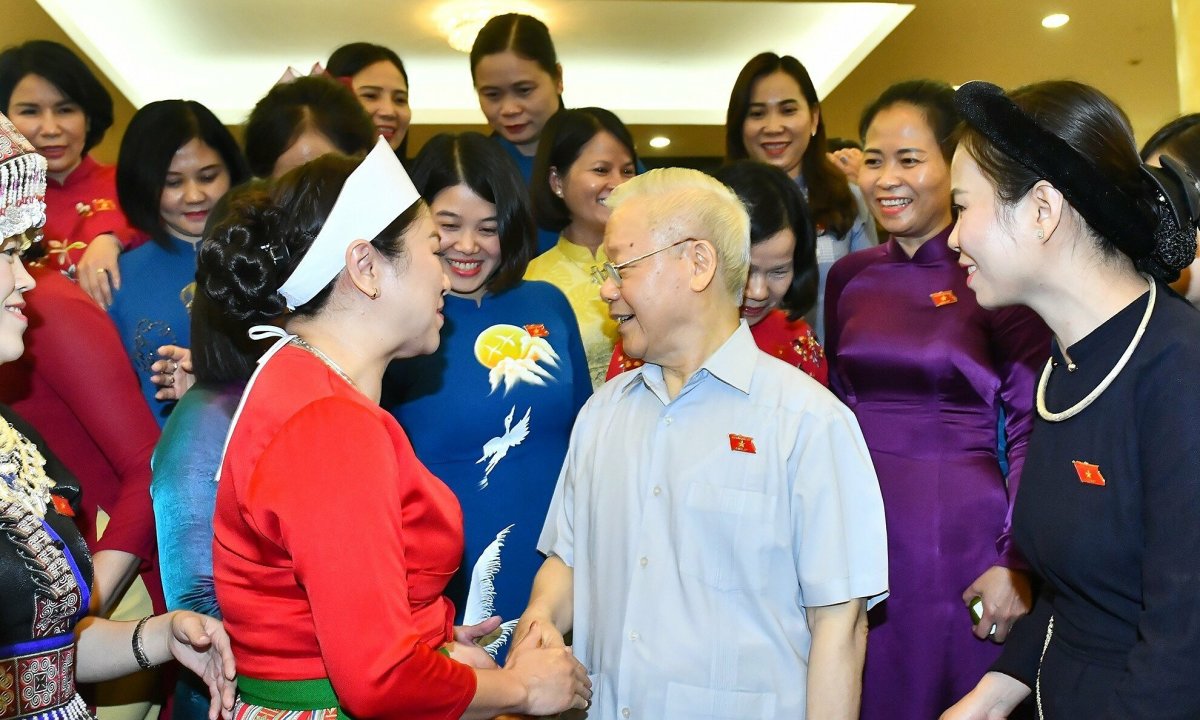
{"x":63,"y":506}
{"x":943,"y":297}
{"x":1088,"y":473}
{"x":742,"y":443}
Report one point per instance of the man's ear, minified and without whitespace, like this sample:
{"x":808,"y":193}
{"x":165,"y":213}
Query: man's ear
{"x":704,"y":264}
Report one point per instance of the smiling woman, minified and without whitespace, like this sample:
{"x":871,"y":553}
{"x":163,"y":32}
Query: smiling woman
{"x":490,"y":413}
{"x":379,"y":81}
{"x":930,"y":374}
{"x":56,"y":101}
{"x":176,"y":161}
{"x":585,"y":154}
{"x":774,"y":116}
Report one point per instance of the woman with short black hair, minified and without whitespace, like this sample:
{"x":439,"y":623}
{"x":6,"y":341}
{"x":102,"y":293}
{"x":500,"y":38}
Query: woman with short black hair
{"x":490,"y":412}
{"x":56,"y":101}
{"x":177,"y":159}
{"x":377,"y":76}
{"x":301,"y":120}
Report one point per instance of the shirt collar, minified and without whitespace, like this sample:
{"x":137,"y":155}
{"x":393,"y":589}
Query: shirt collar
{"x":934,"y":250}
{"x":732,"y":363}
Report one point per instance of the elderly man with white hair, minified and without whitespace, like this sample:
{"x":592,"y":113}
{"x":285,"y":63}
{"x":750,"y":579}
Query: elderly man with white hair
{"x":717,"y":532}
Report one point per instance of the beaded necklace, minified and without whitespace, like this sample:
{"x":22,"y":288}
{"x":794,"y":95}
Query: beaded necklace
{"x":22,"y":470}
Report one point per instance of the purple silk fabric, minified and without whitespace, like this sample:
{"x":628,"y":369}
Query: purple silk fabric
{"x":927,"y":372}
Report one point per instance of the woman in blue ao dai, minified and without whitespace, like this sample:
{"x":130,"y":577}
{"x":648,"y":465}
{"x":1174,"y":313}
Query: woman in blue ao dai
{"x":491,"y":411}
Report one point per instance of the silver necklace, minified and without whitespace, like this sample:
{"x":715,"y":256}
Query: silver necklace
{"x":302,"y":343}
{"x":1108,"y":379}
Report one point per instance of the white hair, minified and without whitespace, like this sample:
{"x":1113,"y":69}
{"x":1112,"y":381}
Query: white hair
{"x":682,"y":203}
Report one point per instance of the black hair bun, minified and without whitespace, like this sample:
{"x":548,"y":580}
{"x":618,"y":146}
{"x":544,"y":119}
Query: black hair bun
{"x":243,"y":262}
{"x":1176,"y":202}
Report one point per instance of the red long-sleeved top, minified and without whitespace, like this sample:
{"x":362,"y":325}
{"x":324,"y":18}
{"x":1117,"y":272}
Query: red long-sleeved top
{"x":75,"y":385}
{"x":81,"y":207}
{"x":332,"y":547}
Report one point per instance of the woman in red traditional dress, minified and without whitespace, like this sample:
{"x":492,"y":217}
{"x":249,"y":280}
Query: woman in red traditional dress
{"x":332,"y":543}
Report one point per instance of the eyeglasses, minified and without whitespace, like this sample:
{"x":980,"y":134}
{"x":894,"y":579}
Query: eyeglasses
{"x":608,"y":270}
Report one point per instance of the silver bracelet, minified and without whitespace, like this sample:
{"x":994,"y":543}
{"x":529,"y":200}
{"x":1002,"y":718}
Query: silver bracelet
{"x":139,"y":652}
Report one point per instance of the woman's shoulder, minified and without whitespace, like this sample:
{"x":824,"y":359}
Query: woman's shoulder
{"x":855,"y":262}
{"x":536,"y":292}
{"x":1176,"y":326}
{"x":294,"y":379}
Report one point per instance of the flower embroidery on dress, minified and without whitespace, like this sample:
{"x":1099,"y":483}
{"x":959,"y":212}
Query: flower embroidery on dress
{"x":810,"y":351}
{"x":59,"y":252}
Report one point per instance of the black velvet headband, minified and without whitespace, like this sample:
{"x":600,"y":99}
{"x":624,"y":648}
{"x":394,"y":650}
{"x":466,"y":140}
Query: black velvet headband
{"x":1158,"y":234}
{"x":1107,"y":209}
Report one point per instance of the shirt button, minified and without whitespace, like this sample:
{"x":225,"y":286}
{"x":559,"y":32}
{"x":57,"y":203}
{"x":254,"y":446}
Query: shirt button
{"x":657,"y":490}
{"x":634,"y":636}
{"x":667,"y":420}
{"x":644,"y":562}
{"x":624,"y":712}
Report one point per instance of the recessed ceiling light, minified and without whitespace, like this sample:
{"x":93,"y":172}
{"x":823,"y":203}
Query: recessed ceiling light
{"x":1056,"y":20}
{"x":659,"y":142}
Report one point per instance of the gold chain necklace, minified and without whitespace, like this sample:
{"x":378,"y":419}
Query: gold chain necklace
{"x":23,"y":478}
{"x":301,"y":342}
{"x":1108,"y":379}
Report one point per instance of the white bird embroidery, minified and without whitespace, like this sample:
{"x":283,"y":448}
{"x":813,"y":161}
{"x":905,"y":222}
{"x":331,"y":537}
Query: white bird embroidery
{"x":481,"y":599}
{"x":525,"y":367}
{"x":495,"y":449}
{"x":506,"y":629}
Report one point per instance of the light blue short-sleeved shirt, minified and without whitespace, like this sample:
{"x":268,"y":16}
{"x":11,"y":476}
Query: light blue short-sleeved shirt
{"x":699,"y":528}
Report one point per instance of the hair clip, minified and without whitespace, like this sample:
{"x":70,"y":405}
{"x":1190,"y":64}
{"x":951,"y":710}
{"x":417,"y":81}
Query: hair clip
{"x":278,"y":251}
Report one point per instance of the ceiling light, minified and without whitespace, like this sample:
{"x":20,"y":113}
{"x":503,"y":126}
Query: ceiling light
{"x":460,"y":22}
{"x":659,"y":142}
{"x":1056,"y":20}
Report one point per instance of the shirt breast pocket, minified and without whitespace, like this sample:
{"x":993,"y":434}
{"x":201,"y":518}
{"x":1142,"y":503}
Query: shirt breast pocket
{"x":725,"y":536}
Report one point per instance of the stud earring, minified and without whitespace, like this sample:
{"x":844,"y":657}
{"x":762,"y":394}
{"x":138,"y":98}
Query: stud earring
{"x":374,"y":294}
{"x":1041,"y":234}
